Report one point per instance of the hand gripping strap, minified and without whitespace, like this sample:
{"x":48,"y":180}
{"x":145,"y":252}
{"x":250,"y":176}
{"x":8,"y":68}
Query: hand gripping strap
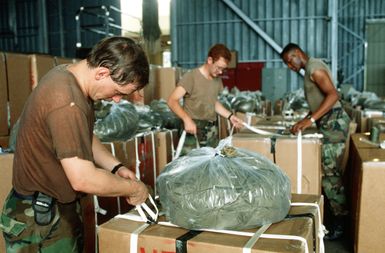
{"x":151,"y":216}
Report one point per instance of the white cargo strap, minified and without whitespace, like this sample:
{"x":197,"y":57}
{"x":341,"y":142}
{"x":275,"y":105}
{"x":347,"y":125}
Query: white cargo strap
{"x":228,"y":125}
{"x":137,"y":162}
{"x":154,"y":159}
{"x":182,"y":139}
{"x":172,"y":145}
{"x":299,"y":162}
{"x":288,"y":237}
{"x":143,"y":207}
{"x":137,"y":218}
{"x":112,"y":148}
{"x":197,"y":141}
{"x":134,"y":237}
{"x":180,"y":144}
{"x":321,"y":227}
{"x":97,"y":208}
{"x":259,"y":131}
{"x":250,"y":243}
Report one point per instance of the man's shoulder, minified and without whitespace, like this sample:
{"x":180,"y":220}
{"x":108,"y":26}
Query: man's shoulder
{"x":314,"y":64}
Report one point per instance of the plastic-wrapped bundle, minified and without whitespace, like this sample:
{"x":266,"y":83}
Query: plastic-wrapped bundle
{"x":223,"y":188}
{"x":295,"y":100}
{"x":115,"y":121}
{"x":169,"y":118}
{"x":148,"y":119}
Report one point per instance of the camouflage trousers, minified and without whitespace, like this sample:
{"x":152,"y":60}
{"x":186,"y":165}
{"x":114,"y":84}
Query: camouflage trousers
{"x":335,"y":127}
{"x":22,"y":234}
{"x":207,"y":135}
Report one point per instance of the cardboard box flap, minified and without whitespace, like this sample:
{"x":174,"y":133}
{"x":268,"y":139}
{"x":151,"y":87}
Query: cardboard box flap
{"x":283,"y":152}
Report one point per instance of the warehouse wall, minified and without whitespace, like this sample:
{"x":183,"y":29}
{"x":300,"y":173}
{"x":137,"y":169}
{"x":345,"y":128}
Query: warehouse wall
{"x":198,"y":24}
{"x":47,"y":26}
{"x":352,"y":16}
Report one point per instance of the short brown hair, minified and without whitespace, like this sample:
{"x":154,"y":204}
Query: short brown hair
{"x":124,"y":58}
{"x":219,"y":50}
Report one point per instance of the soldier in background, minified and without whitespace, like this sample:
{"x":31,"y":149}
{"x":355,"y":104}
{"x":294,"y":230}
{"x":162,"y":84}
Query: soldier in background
{"x":199,"y":90}
{"x":332,"y":121}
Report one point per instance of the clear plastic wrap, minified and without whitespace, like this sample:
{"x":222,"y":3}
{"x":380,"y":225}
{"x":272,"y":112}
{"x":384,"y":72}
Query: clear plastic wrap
{"x":169,"y":118}
{"x":242,"y":101}
{"x":115,"y":121}
{"x":148,"y":119}
{"x":223,"y":188}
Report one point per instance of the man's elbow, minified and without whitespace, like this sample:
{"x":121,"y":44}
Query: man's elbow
{"x":170,"y":102}
{"x":79,"y":185}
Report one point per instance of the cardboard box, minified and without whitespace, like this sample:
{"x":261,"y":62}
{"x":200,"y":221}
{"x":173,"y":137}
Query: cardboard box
{"x":19,"y":83}
{"x":278,"y":107}
{"x":374,"y":121}
{"x":4,"y":130}
{"x":115,"y":236}
{"x":146,"y":95}
{"x":224,"y":127}
{"x":62,"y":60}
{"x":40,"y":65}
{"x":166,"y":80}
{"x":234,"y":60}
{"x":166,"y":143}
{"x":4,"y":141}
{"x":366,"y":187}
{"x":6,"y":162}
{"x":284,"y":154}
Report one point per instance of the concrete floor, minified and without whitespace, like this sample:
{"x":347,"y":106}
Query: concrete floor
{"x":343,"y":245}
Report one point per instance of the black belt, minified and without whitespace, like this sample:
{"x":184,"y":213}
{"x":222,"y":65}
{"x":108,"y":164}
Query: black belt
{"x":21,"y":196}
{"x":205,"y":122}
{"x":31,"y":197}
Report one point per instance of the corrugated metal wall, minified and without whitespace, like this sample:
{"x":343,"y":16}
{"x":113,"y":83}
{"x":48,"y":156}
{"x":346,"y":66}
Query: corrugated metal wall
{"x":352,"y":16}
{"x":198,"y":24}
{"x":46,"y":26}
{"x":19,"y":26}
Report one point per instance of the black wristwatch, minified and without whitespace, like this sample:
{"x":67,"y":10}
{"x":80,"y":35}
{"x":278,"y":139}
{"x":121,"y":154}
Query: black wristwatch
{"x":116,"y":167}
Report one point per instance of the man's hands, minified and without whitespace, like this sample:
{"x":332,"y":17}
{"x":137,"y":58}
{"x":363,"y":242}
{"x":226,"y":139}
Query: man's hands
{"x":141,"y":191}
{"x":190,"y":126}
{"x":124,"y":172}
{"x":140,"y":194}
{"x":301,"y":125}
{"x":237,"y":122}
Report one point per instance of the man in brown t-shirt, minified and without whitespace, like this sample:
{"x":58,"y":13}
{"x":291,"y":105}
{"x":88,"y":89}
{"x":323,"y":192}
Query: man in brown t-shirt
{"x":57,"y":157}
{"x":199,"y":89}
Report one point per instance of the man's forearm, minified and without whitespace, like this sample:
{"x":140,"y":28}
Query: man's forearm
{"x":102,"y":156}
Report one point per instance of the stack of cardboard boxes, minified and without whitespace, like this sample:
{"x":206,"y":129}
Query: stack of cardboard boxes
{"x":19,"y":74}
{"x":366,"y":175}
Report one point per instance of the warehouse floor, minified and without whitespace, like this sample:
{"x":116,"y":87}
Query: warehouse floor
{"x":343,"y":245}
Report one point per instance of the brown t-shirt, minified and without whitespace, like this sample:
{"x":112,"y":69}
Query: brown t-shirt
{"x":201,"y":95}
{"x":57,"y":122}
